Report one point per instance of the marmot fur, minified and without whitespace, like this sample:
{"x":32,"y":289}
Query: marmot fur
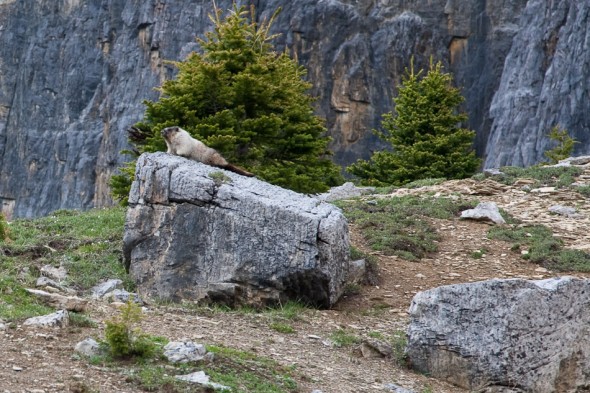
{"x":181,"y":143}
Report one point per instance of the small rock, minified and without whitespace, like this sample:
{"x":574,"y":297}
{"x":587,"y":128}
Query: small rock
{"x":581,"y":160}
{"x":88,"y":347}
{"x":492,"y":172}
{"x":372,"y":348}
{"x":485,"y":211}
{"x":56,"y":273}
{"x":345,"y":191}
{"x":356,"y":271}
{"x":545,"y":190}
{"x":47,"y":282}
{"x":121,"y":295}
{"x":541,"y":270}
{"x":55,"y":300}
{"x":16,"y":368}
{"x":201,"y":378}
{"x":420,"y":275}
{"x":57,"y":319}
{"x":564,"y":211}
{"x":392,"y":387}
{"x":102,"y":289}
{"x":184,"y":352}
{"x":314,"y":337}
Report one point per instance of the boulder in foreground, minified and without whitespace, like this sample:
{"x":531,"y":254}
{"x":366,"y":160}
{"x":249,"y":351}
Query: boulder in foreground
{"x":202,"y":233}
{"x":504,"y":335}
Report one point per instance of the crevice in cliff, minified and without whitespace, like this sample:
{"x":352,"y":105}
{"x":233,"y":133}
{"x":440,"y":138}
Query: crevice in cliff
{"x":551,"y":40}
{"x":456,"y":47}
{"x":4,"y":134}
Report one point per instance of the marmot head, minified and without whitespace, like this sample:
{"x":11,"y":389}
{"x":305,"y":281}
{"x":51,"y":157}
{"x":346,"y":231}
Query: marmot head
{"x":169,"y":131}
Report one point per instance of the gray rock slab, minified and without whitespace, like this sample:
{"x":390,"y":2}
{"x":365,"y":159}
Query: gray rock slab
{"x":88,"y":347}
{"x":184,"y":351}
{"x":122,"y":296}
{"x":492,"y":172}
{"x":201,"y":378}
{"x":392,"y":387}
{"x":58,"y":319}
{"x":55,"y":300}
{"x":56,"y":273}
{"x":241,"y":241}
{"x":485,"y":211}
{"x":345,"y":191}
{"x":580,"y":160}
{"x":46,"y":282}
{"x":103,"y":288}
{"x":542,"y":85}
{"x":564,"y":211}
{"x":533,"y":336}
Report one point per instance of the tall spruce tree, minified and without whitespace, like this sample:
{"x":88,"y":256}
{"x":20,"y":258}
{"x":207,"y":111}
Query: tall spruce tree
{"x":245,"y":100}
{"x":426,"y":136}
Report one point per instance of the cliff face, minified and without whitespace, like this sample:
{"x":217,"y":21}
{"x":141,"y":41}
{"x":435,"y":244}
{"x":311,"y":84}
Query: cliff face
{"x":73,"y":74}
{"x":546,"y":82}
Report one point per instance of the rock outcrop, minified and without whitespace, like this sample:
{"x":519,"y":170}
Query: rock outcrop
{"x":197,"y":232}
{"x":73,"y":76}
{"x":486,"y":212}
{"x":545,"y":83}
{"x":517,"y":335}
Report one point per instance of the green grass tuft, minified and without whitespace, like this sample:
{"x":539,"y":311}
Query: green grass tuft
{"x":559,"y":177}
{"x":88,"y":244}
{"x":400,"y":225}
{"x":282,"y":327}
{"x":343,"y":338}
{"x":543,"y":248}
{"x":247,"y":372}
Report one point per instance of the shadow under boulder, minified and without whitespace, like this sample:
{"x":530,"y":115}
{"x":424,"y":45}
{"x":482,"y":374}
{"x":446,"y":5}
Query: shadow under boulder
{"x":201,"y":233}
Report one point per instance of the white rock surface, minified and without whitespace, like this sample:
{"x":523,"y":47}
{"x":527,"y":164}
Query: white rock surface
{"x":55,"y":300}
{"x":564,"y":211}
{"x":56,"y":273}
{"x":58,"y":319}
{"x":485,"y":211}
{"x":240,"y":241}
{"x":88,"y":347}
{"x":102,"y":289}
{"x":184,"y":351}
{"x":201,"y":378}
{"x":347,"y":190}
{"x":122,"y":296}
{"x":498,"y":333}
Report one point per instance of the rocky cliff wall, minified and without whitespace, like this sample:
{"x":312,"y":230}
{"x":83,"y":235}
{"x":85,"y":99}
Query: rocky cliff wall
{"x":73,"y":74}
{"x":545,"y":82}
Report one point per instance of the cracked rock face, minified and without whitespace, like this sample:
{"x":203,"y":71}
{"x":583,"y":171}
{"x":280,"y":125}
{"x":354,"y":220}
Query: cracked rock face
{"x":529,"y":336}
{"x":73,"y":76}
{"x":192,"y":233}
{"x":545,"y":83}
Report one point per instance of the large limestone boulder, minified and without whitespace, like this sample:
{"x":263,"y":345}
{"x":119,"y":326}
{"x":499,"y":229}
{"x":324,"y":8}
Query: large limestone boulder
{"x":504,"y":335}
{"x":197,"y":232}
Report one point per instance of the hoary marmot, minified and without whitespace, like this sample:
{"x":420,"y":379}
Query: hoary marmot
{"x":181,"y":143}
